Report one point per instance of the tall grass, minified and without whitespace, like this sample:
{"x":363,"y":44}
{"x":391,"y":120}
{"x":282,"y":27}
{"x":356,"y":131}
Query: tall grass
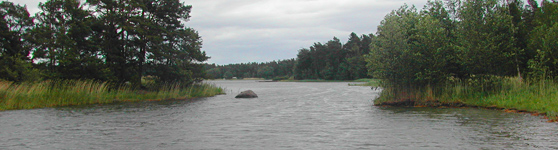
{"x":81,"y":92}
{"x":541,"y":97}
{"x":496,"y":92}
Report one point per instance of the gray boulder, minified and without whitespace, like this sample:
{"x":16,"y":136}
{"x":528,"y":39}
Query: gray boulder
{"x":247,"y":94}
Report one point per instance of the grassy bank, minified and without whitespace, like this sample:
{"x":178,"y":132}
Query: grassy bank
{"x":77,"y":92}
{"x":367,"y":82}
{"x":503,"y":93}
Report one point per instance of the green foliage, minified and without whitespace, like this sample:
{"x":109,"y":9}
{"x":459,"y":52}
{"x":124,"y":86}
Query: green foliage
{"x":392,"y":56}
{"x":62,"y":43}
{"x":466,"y":52}
{"x":267,"y":70}
{"x":14,"y":49}
{"x":106,"y":40}
{"x":15,"y":69}
{"x":462,"y":40}
{"x":333,"y":60}
{"x":544,"y":42}
{"x":228,"y":75}
{"x":147,"y":38}
{"x":487,"y":44}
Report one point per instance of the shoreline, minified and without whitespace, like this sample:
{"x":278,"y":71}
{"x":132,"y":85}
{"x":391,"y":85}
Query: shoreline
{"x":75,"y":92}
{"x":438,"y":104}
{"x":538,"y":98}
{"x":115,"y":101}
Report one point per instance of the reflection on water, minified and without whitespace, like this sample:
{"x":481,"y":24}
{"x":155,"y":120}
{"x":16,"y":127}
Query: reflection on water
{"x":285,"y":116}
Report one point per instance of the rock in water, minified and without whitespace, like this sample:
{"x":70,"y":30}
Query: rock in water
{"x":247,"y":94}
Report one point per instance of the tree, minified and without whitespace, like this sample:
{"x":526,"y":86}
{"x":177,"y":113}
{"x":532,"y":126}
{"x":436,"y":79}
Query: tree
{"x":179,"y":47}
{"x":432,"y":52}
{"x":335,"y":56}
{"x":109,"y":40}
{"x":391,"y":56}
{"x":328,"y":61}
{"x":486,"y":41}
{"x":432,"y":46}
{"x":147,"y":37}
{"x":303,"y":66}
{"x":62,"y":40}
{"x":356,"y":47}
{"x":14,"y":49}
{"x":214,"y":73}
{"x":266,"y":72}
{"x":543,"y":41}
{"x":228,"y":75}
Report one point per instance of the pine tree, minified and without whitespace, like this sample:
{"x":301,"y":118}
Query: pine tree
{"x":14,"y":49}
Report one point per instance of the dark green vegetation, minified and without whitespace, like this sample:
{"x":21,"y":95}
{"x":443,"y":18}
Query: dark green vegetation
{"x":102,"y":49}
{"x":486,"y":53}
{"x":333,"y":60}
{"x":277,"y":70}
{"x":106,"y":40}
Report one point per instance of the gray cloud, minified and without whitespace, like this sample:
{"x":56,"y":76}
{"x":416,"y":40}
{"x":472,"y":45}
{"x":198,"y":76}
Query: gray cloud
{"x":240,"y":31}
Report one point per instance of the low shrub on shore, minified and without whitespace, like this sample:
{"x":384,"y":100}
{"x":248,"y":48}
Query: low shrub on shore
{"x":81,"y":92}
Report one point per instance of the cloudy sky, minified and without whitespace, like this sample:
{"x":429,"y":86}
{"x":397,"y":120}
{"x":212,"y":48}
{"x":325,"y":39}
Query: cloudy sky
{"x":241,"y":31}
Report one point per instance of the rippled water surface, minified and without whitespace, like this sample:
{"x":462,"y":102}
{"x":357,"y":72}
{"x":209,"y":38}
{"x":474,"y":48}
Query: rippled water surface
{"x":285,"y":116}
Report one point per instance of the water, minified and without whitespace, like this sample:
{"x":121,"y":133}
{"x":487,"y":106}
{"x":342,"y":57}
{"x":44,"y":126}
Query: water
{"x":285,"y":116}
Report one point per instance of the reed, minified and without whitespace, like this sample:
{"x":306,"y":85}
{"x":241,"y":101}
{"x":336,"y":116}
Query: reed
{"x":500,"y":92}
{"x":540,"y":97}
{"x":82,"y":92}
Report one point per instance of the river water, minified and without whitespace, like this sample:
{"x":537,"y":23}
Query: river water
{"x":285,"y":116}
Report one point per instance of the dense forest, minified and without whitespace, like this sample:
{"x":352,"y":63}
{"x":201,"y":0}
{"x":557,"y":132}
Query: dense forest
{"x":482,"y":53}
{"x":333,"y":60}
{"x":466,"y":40}
{"x":117,"y":41}
{"x":281,"y":69}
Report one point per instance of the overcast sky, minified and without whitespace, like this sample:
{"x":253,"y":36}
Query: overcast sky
{"x":241,"y":31}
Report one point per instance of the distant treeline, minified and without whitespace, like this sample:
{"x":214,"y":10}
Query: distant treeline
{"x":329,"y":61}
{"x":106,"y":40}
{"x":269,"y":70}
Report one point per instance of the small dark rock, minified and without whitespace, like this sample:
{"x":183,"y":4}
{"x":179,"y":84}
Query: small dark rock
{"x":247,"y":94}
